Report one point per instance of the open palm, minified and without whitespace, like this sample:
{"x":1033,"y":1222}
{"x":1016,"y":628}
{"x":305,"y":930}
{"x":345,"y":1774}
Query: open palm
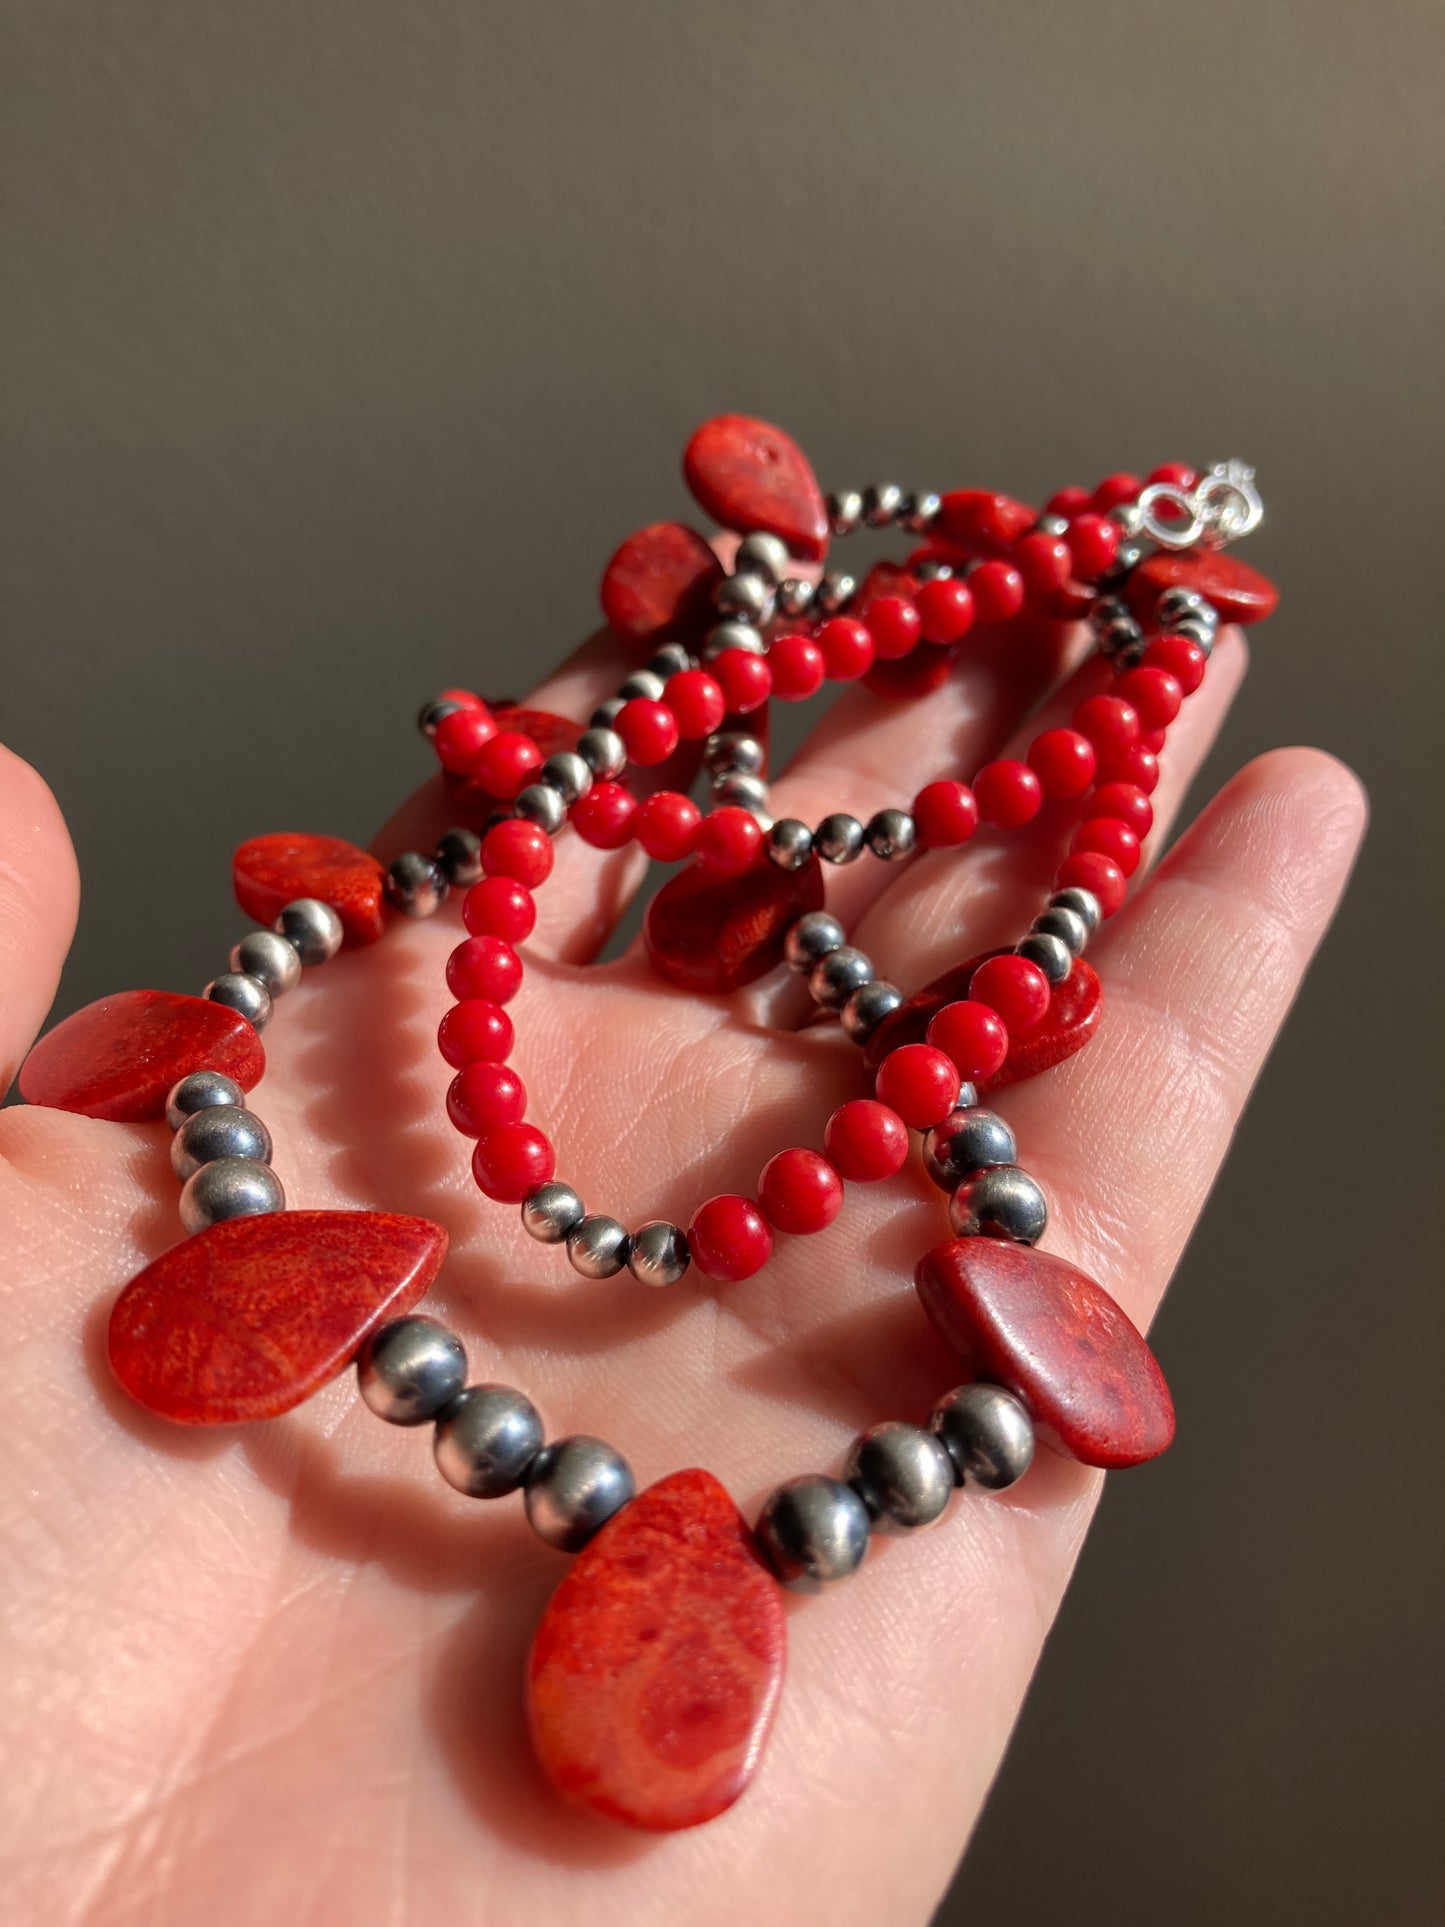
{"x":274,"y":1673}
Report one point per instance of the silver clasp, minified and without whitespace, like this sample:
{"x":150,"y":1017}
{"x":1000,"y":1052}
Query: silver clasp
{"x":1222,"y":506}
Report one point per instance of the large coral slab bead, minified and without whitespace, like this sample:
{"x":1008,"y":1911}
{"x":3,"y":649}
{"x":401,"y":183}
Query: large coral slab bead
{"x":118,"y":1057}
{"x":749,"y":475}
{"x":713,"y":935}
{"x":656,"y":1670}
{"x":659,"y":584}
{"x":1075,"y":1009}
{"x":268,"y":872}
{"x":1027,"y":1320}
{"x":247,"y":1319}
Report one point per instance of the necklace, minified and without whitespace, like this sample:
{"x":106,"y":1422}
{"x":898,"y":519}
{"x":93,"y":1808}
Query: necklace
{"x":657,"y":1667}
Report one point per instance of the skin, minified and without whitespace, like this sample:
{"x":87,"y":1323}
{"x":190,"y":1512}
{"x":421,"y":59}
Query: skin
{"x":273,"y":1673}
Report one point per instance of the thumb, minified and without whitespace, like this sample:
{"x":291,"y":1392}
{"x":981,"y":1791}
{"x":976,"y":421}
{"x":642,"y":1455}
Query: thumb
{"x":39,"y":896}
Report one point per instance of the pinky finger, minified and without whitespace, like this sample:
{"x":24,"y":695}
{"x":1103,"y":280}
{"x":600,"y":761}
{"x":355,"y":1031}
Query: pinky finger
{"x":39,"y":896}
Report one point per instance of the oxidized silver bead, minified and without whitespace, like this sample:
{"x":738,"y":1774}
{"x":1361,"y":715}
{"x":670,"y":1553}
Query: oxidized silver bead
{"x":229,"y":1188}
{"x":1178,"y":605}
{"x":642,"y":682}
{"x":415,"y":885}
{"x":540,"y":805}
{"x":606,"y":714}
{"x":968,"y":1140}
{"x":867,"y":1007}
{"x":201,"y":1091}
{"x":813,"y":1532}
{"x":922,"y":512}
{"x":269,"y":959}
{"x":312,"y":928}
{"x":1052,"y":955}
{"x":790,"y":843}
{"x":567,"y":774}
{"x":1002,"y":1202}
{"x":741,"y":792}
{"x":930,"y":569}
{"x":434,"y":712}
{"x":1066,"y":925}
{"x":834,"y":979}
{"x":410,"y":1369}
{"x":881,"y":505}
{"x":219,"y":1131}
{"x":813,"y":936}
{"x":1054,"y":525}
{"x":795,"y":596}
{"x":835,"y":592}
{"x":1122,"y":641}
{"x":729,"y":750}
{"x":890,"y":834}
{"x":763,"y":554}
{"x":604,"y":753}
{"x":1196,"y":631}
{"x":839,"y":838}
{"x":902,"y":1474}
{"x":486,"y":1440}
{"x":743,"y":597}
{"x":987,"y":1434}
{"x":574,"y":1486}
{"x":458,"y":855}
{"x":845,"y":511}
{"x":733,"y":635}
{"x":244,"y":994}
{"x":1127,"y":557}
{"x":551,"y":1211}
{"x":1082,"y":903}
{"x":670,"y":660}
{"x":597,"y":1246}
{"x":657,"y":1253}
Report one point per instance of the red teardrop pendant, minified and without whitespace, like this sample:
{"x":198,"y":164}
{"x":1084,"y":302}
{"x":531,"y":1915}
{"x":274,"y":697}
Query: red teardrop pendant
{"x":118,"y":1057}
{"x":659,"y":583}
{"x":713,"y":935}
{"x":749,"y":475}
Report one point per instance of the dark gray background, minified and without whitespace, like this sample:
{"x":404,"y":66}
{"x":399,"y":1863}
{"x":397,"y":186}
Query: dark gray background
{"x":343,"y":341}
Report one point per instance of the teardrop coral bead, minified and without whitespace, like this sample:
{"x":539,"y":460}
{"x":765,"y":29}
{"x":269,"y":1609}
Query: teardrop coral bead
{"x":118,"y":1057}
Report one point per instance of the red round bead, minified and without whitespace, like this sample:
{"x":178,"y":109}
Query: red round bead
{"x":468,"y":698}
{"x":847,"y":647}
{"x":1108,"y":722}
{"x":1090,"y":871}
{"x":998,"y":591}
{"x":729,"y":1238}
{"x":1132,"y":763}
{"x":484,"y":967}
{"x":1109,"y":836}
{"x":500,"y":907}
{"x":1017,"y":989}
{"x":1044,"y":563}
{"x":648,"y":730}
{"x":1154,"y":693}
{"x":1093,"y":543}
{"x":918,"y":1082}
{"x":1175,"y":474}
{"x":1126,"y":802}
{"x":511,"y":1160}
{"x":460,"y":735}
{"x":666,"y":825}
{"x":484,"y":1095}
{"x":973,"y":1035}
{"x":517,"y":849}
{"x":1180,"y":657}
{"x":746,"y":679}
{"x":944,"y":814}
{"x":865,"y":1140}
{"x":697,"y":700}
{"x":1114,"y":490}
{"x":505,"y":763}
{"x":476,"y":1031}
{"x":1153,"y":740}
{"x":895,"y":627}
{"x":1068,"y":502}
{"x":797,"y":665}
{"x":1063,"y":760}
{"x":729,"y":841}
{"x":945,"y":609}
{"x":800,"y":1191}
{"x":604,"y":816}
{"x":1008,"y":793}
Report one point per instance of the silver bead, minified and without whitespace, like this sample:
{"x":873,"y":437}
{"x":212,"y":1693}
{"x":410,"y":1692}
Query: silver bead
{"x":833,"y":980}
{"x":434,"y":712}
{"x":604,"y":753}
{"x":219,"y":1131}
{"x":1122,"y":641}
{"x":540,"y":805}
{"x":930,"y":569}
{"x":987,"y":1434}
{"x":890,"y":834}
{"x":1178,"y":605}
{"x":606,"y":714}
{"x":741,"y":792}
{"x":312,"y":928}
{"x":200,"y":1091}
{"x":733,"y":749}
{"x":1196,"y":631}
{"x":867,"y":1007}
{"x":1127,"y":557}
{"x":415,"y":885}
{"x":743,"y":597}
{"x":795,"y":596}
{"x":1052,"y":955}
{"x":839,"y":838}
{"x":968,"y":1140}
{"x":642,"y":682}
{"x":835,"y":592}
{"x":269,"y":959}
{"x":410,"y":1369}
{"x":1066,"y":925}
{"x":244,"y":994}
{"x":733,"y":635}
{"x":1054,"y":525}
{"x":1002,"y":1202}
{"x":813,"y":1532}
{"x":814,"y":935}
{"x":670,"y":660}
{"x":902,"y":1474}
{"x":881,"y":505}
{"x":551,"y":1211}
{"x":486,"y":1440}
{"x":1106,"y":610}
{"x":845,"y":511}
{"x":790,"y":843}
{"x":458,"y":855}
{"x":597,"y":1246}
{"x":567,"y":774}
{"x":763,"y":554}
{"x":574,"y":1486}
{"x":657,"y":1253}
{"x":229,"y":1188}
{"x":922,"y":512}
{"x":1083,"y":904}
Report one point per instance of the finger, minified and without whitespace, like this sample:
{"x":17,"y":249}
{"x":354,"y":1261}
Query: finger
{"x":39,"y":897}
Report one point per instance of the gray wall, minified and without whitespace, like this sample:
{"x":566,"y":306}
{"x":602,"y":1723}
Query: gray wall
{"x":341,"y":343}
